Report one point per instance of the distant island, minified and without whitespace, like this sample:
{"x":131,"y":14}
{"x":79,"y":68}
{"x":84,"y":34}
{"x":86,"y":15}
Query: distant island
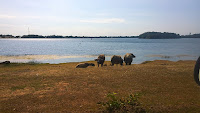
{"x":146,"y":35}
{"x":159,"y":35}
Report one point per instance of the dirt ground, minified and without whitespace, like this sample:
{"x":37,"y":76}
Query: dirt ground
{"x":165,"y":86}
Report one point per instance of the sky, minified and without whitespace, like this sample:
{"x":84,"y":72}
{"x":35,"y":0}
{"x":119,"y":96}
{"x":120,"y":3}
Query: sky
{"x":99,"y":17}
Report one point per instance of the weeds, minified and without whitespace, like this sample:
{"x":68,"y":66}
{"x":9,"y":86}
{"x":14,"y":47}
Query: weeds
{"x":145,"y":62}
{"x":33,"y":62}
{"x":123,"y":105}
{"x":17,"y":87}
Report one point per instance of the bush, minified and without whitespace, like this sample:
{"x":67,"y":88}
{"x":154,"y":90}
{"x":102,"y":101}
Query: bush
{"x":33,"y":62}
{"x":123,"y":105}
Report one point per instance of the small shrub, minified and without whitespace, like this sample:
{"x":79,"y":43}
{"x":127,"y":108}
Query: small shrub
{"x":33,"y":62}
{"x":123,"y":105}
{"x":145,"y":62}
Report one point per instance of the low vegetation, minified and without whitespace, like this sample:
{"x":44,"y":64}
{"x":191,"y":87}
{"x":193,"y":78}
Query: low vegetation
{"x":164,"y":86}
{"x":128,"y":104}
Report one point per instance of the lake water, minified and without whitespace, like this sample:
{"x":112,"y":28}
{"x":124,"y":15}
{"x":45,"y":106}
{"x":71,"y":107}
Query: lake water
{"x":77,"y":50}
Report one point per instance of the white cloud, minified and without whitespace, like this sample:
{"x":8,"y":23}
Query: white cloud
{"x":107,"y":20}
{"x":7,"y":25}
{"x":102,"y":14}
{"x":18,"y":17}
{"x":7,"y":16}
{"x":31,"y":17}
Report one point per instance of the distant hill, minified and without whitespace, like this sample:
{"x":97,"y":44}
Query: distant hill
{"x":191,"y":36}
{"x":159,"y":35}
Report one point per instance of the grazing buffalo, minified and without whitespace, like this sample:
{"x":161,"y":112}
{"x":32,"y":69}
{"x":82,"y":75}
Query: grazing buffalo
{"x":5,"y":62}
{"x":100,"y":59}
{"x":128,"y":58}
{"x":84,"y":65}
{"x":116,"y":59}
{"x":196,"y":71}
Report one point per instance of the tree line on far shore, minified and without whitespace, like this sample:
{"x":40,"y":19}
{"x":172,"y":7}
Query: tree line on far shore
{"x":146,"y":35}
{"x":159,"y":35}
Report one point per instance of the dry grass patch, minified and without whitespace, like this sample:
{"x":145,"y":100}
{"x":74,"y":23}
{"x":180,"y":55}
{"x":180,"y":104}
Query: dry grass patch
{"x":165,"y":86}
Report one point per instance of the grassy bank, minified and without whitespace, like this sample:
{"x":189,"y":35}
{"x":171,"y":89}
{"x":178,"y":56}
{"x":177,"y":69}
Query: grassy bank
{"x":164,"y":86}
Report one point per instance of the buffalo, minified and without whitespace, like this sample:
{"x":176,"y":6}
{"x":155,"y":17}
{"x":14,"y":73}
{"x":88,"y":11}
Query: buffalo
{"x":116,"y":59}
{"x":128,"y":58}
{"x":84,"y":65}
{"x":100,"y":59}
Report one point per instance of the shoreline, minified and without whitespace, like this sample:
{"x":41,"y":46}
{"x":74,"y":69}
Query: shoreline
{"x":92,"y":61}
{"x":57,"y":59}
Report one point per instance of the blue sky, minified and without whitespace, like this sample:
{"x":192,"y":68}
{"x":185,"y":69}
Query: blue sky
{"x":99,"y":17}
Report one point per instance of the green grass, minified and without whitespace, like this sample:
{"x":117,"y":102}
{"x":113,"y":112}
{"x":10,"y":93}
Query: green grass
{"x":129,"y":104}
{"x":13,"y":88}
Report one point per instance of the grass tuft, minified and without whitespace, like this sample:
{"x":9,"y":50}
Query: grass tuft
{"x":13,"y":88}
{"x":33,"y":62}
{"x":145,"y":62}
{"x":129,"y":104}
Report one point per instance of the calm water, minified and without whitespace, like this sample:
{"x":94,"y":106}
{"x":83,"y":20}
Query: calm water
{"x":76,"y":50}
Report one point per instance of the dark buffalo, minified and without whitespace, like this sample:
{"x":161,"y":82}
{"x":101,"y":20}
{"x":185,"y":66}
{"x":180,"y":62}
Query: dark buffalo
{"x":116,"y":59}
{"x":100,"y":59}
{"x":84,"y":65}
{"x":5,"y":62}
{"x":128,"y":58}
{"x":196,"y":71}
